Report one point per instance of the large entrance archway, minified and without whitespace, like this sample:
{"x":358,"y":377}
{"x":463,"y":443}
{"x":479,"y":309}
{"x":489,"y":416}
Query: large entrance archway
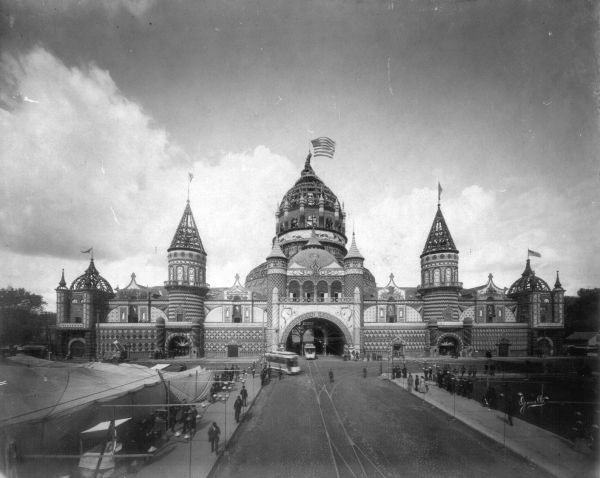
{"x":178,"y":345}
{"x":449,"y":344}
{"x":326,"y":332}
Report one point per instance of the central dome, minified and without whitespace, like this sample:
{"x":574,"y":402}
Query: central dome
{"x":309,"y":206}
{"x":311,"y":188}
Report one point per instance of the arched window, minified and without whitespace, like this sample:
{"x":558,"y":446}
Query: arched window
{"x":294,"y":290}
{"x":426,"y":277}
{"x":336,"y":290}
{"x":171,"y":274}
{"x":192,"y":275}
{"x":179,"y":273}
{"x":308,"y":291}
{"x":436,"y":276}
{"x":448,"y":274}
{"x":322,"y":291}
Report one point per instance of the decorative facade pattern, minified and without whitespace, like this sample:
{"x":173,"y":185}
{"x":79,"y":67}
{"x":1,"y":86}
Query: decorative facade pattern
{"x":310,"y":287}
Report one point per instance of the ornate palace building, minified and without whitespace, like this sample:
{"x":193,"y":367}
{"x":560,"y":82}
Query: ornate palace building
{"x":311,"y":288}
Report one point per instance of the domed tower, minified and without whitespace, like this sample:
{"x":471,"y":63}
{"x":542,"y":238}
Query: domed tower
{"x":89,"y":295}
{"x":439,"y":273}
{"x":187,"y":279}
{"x":310,"y":205}
{"x":533,"y":297}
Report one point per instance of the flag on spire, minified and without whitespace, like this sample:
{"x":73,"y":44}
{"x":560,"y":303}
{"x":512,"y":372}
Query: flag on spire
{"x":439,"y":192}
{"x":323,"y":146}
{"x":88,"y":251}
{"x":531,"y":253}
{"x":191,"y":176}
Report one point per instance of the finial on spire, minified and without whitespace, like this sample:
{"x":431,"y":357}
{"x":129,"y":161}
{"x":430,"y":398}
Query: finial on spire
{"x":190,"y":176}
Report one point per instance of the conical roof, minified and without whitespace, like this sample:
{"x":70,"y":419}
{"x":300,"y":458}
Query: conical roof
{"x":354,"y":253}
{"x":62,"y":284}
{"x":439,"y":239}
{"x":187,"y":236}
{"x":276,"y":252}
{"x":313,"y":242}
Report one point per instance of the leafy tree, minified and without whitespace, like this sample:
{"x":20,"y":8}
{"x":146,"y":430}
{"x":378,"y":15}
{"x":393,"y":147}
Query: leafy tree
{"x":582,"y":313}
{"x":22,"y":317}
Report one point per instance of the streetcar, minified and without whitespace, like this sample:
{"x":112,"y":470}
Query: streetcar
{"x":310,"y":352}
{"x":285,"y":361}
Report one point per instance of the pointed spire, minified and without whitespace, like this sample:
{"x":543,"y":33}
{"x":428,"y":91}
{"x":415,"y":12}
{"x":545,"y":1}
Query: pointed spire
{"x":276,"y":252}
{"x":354,"y":253}
{"x":308,"y":170}
{"x":557,"y":284}
{"x":187,"y":236}
{"x":313,"y":241}
{"x":62,"y":284}
{"x":528,"y":271}
{"x":439,"y":239}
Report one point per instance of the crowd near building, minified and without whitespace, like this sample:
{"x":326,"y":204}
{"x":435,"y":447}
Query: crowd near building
{"x":311,"y":288}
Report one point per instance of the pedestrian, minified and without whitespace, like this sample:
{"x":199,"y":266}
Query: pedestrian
{"x":253,"y":370}
{"x":410,"y":381}
{"x":237,"y":406}
{"x":331,"y":375}
{"x":244,"y":395}
{"x":364,"y":372}
{"x":416,"y":383}
{"x":280,"y":374}
{"x":510,"y":409}
{"x":214,"y":432}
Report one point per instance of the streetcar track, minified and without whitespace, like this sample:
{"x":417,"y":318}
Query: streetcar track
{"x":337,"y":471}
{"x":351,"y":442}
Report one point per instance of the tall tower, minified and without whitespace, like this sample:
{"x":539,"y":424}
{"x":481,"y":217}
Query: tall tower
{"x":276,"y":288}
{"x":439,"y":273}
{"x":187,"y":279}
{"x":353,"y":270}
{"x":62,"y":300}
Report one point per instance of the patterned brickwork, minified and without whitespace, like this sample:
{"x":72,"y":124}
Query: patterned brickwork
{"x":250,"y":340}
{"x":436,"y":302}
{"x":378,"y":340}
{"x":192,"y":305}
{"x":487,"y":338}
{"x":140,"y":340}
{"x":274,"y":281}
{"x":351,"y":281}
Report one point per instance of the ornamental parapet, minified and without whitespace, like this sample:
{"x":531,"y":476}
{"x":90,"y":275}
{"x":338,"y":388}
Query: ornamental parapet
{"x":440,"y":285}
{"x":70,"y":325}
{"x":186,"y":283}
{"x":126,"y":325}
{"x":328,"y":300}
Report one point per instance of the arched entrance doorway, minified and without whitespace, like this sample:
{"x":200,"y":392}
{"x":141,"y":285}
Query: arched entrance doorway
{"x":449,"y":344}
{"x":178,"y":345}
{"x":326,"y":332}
{"x":77,"y":348}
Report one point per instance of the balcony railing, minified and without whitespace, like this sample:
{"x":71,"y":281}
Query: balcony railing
{"x":70,"y":325}
{"x":186,"y":283}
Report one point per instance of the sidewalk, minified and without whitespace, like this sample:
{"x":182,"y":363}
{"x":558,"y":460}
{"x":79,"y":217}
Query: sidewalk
{"x":546,"y":450}
{"x":181,"y":458}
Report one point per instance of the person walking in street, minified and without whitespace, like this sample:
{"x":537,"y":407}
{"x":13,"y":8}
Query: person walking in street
{"x":214,"y":432}
{"x":416,"y":383}
{"x":410,"y":382}
{"x":237,"y":406}
{"x":280,"y":374}
{"x":331,"y":375}
{"x":510,"y":409}
{"x":244,"y":395}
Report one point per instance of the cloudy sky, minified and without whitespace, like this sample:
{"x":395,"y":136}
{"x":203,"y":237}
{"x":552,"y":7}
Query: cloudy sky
{"x":105,"y":106}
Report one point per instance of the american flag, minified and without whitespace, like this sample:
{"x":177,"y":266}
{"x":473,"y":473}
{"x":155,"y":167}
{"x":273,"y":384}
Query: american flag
{"x":533,"y":253}
{"x":323,"y":146}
